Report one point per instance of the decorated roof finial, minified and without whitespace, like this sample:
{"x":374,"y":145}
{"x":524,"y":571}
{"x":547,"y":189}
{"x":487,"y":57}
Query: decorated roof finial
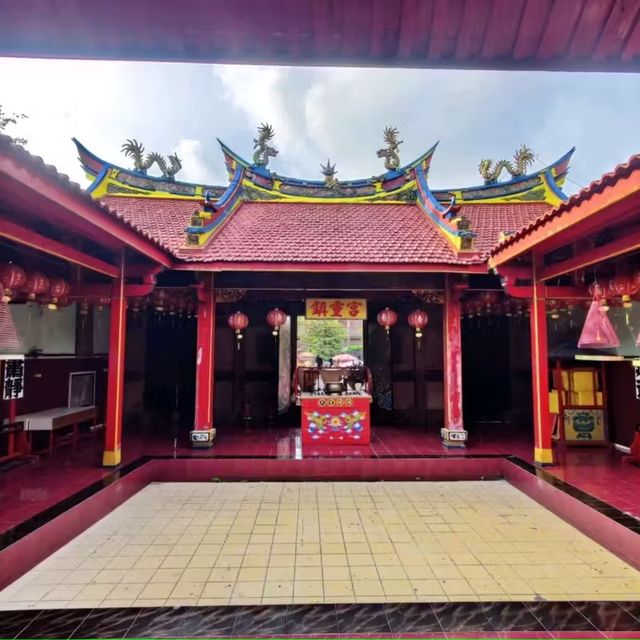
{"x":491,"y":171}
{"x":390,"y":154}
{"x":134,"y":149}
{"x":263,"y":150}
{"x":329,"y":172}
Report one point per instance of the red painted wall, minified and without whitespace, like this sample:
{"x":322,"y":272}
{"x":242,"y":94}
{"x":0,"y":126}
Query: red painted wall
{"x":47,"y":381}
{"x":624,"y":409}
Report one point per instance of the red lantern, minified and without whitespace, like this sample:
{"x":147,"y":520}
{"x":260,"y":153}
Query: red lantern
{"x":489,"y":299}
{"x":554,"y":309}
{"x":160,"y":299}
{"x":238,"y":321}
{"x":276,"y":318}
{"x":36,"y":285}
{"x":12,"y":277}
{"x":624,"y":286}
{"x":103,"y":301}
{"x":387,"y":318}
{"x":58,"y":288}
{"x":418,"y":320}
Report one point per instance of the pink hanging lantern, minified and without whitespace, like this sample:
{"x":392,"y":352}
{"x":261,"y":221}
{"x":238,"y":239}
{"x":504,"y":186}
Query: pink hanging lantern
{"x":276,"y":318}
{"x":58,"y":288}
{"x":103,"y":301}
{"x":238,"y":321}
{"x":387,"y":318}
{"x":35,"y":285}
{"x":625,"y":286}
{"x":598,"y":332}
{"x":489,"y":299}
{"x":12,"y":277}
{"x":418,"y":320}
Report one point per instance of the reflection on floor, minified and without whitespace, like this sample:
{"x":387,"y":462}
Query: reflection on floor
{"x":305,"y":543}
{"x":28,"y":490}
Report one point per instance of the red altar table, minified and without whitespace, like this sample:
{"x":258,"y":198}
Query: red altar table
{"x":341,"y":418}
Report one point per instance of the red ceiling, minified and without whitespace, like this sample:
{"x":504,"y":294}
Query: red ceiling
{"x":487,"y":34}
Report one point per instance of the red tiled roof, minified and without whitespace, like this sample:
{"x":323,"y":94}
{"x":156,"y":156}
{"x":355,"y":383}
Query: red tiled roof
{"x":489,"y":220}
{"x":37,"y":164}
{"x":314,"y":232}
{"x":164,"y":219}
{"x":597,"y":186}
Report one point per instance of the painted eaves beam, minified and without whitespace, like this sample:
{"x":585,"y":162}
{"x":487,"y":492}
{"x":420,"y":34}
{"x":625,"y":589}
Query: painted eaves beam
{"x":27,"y":237}
{"x":332,"y":267}
{"x":621,"y":246}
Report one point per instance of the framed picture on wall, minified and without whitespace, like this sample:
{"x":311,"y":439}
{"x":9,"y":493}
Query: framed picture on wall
{"x":82,"y":388}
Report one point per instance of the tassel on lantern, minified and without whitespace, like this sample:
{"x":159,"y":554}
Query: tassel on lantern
{"x":598,"y":332}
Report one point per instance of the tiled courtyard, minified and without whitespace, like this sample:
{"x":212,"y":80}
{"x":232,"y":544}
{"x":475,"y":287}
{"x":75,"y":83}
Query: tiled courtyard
{"x":320,"y":542}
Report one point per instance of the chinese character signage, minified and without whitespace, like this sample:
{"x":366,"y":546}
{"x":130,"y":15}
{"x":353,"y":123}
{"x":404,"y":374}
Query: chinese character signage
{"x":13,"y":380}
{"x":636,"y":371}
{"x":343,"y":308}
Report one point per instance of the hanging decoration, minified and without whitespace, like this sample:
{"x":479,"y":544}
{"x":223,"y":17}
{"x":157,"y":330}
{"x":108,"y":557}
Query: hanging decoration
{"x":103,"y":301}
{"x":418,"y":320}
{"x":35,"y":285}
{"x":12,"y":277}
{"x":625,"y":286}
{"x":58,"y":289}
{"x":387,"y":318}
{"x":599,"y":294}
{"x":276,"y":318}
{"x":238,"y":321}
{"x":598,"y":332}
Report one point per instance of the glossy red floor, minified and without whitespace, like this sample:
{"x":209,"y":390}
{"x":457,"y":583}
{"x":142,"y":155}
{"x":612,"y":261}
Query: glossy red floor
{"x":31,"y":488}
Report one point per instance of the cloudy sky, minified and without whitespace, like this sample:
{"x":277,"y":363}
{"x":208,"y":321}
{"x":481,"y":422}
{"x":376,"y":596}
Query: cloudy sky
{"x":319,"y":113}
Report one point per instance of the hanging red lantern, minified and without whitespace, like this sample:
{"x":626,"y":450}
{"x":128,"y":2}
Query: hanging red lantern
{"x":238,"y":321}
{"x":35,"y":285}
{"x":103,"y":301}
{"x":489,"y":299}
{"x":597,"y":332}
{"x":58,"y":288}
{"x":160,"y":299}
{"x":553,"y":308}
{"x":418,"y":320}
{"x":387,"y":318}
{"x":275,"y":319}
{"x":625,"y":286}
{"x":12,"y":277}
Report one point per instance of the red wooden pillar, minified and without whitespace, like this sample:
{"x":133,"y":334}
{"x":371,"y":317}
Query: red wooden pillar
{"x":453,"y":432}
{"x":203,"y":430}
{"x":543,"y":453}
{"x":115,"y":377}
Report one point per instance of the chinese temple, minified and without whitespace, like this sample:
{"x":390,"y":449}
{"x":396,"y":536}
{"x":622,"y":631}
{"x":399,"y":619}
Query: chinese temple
{"x":178,"y":309}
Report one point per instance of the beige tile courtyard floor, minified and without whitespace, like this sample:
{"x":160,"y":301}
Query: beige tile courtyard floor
{"x":323,"y":542}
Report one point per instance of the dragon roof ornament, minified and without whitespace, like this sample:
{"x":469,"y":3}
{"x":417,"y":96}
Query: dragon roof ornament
{"x":264,"y":151}
{"x":329,"y":173}
{"x":491,"y":171}
{"x":134,"y":149}
{"x":390,"y":153}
